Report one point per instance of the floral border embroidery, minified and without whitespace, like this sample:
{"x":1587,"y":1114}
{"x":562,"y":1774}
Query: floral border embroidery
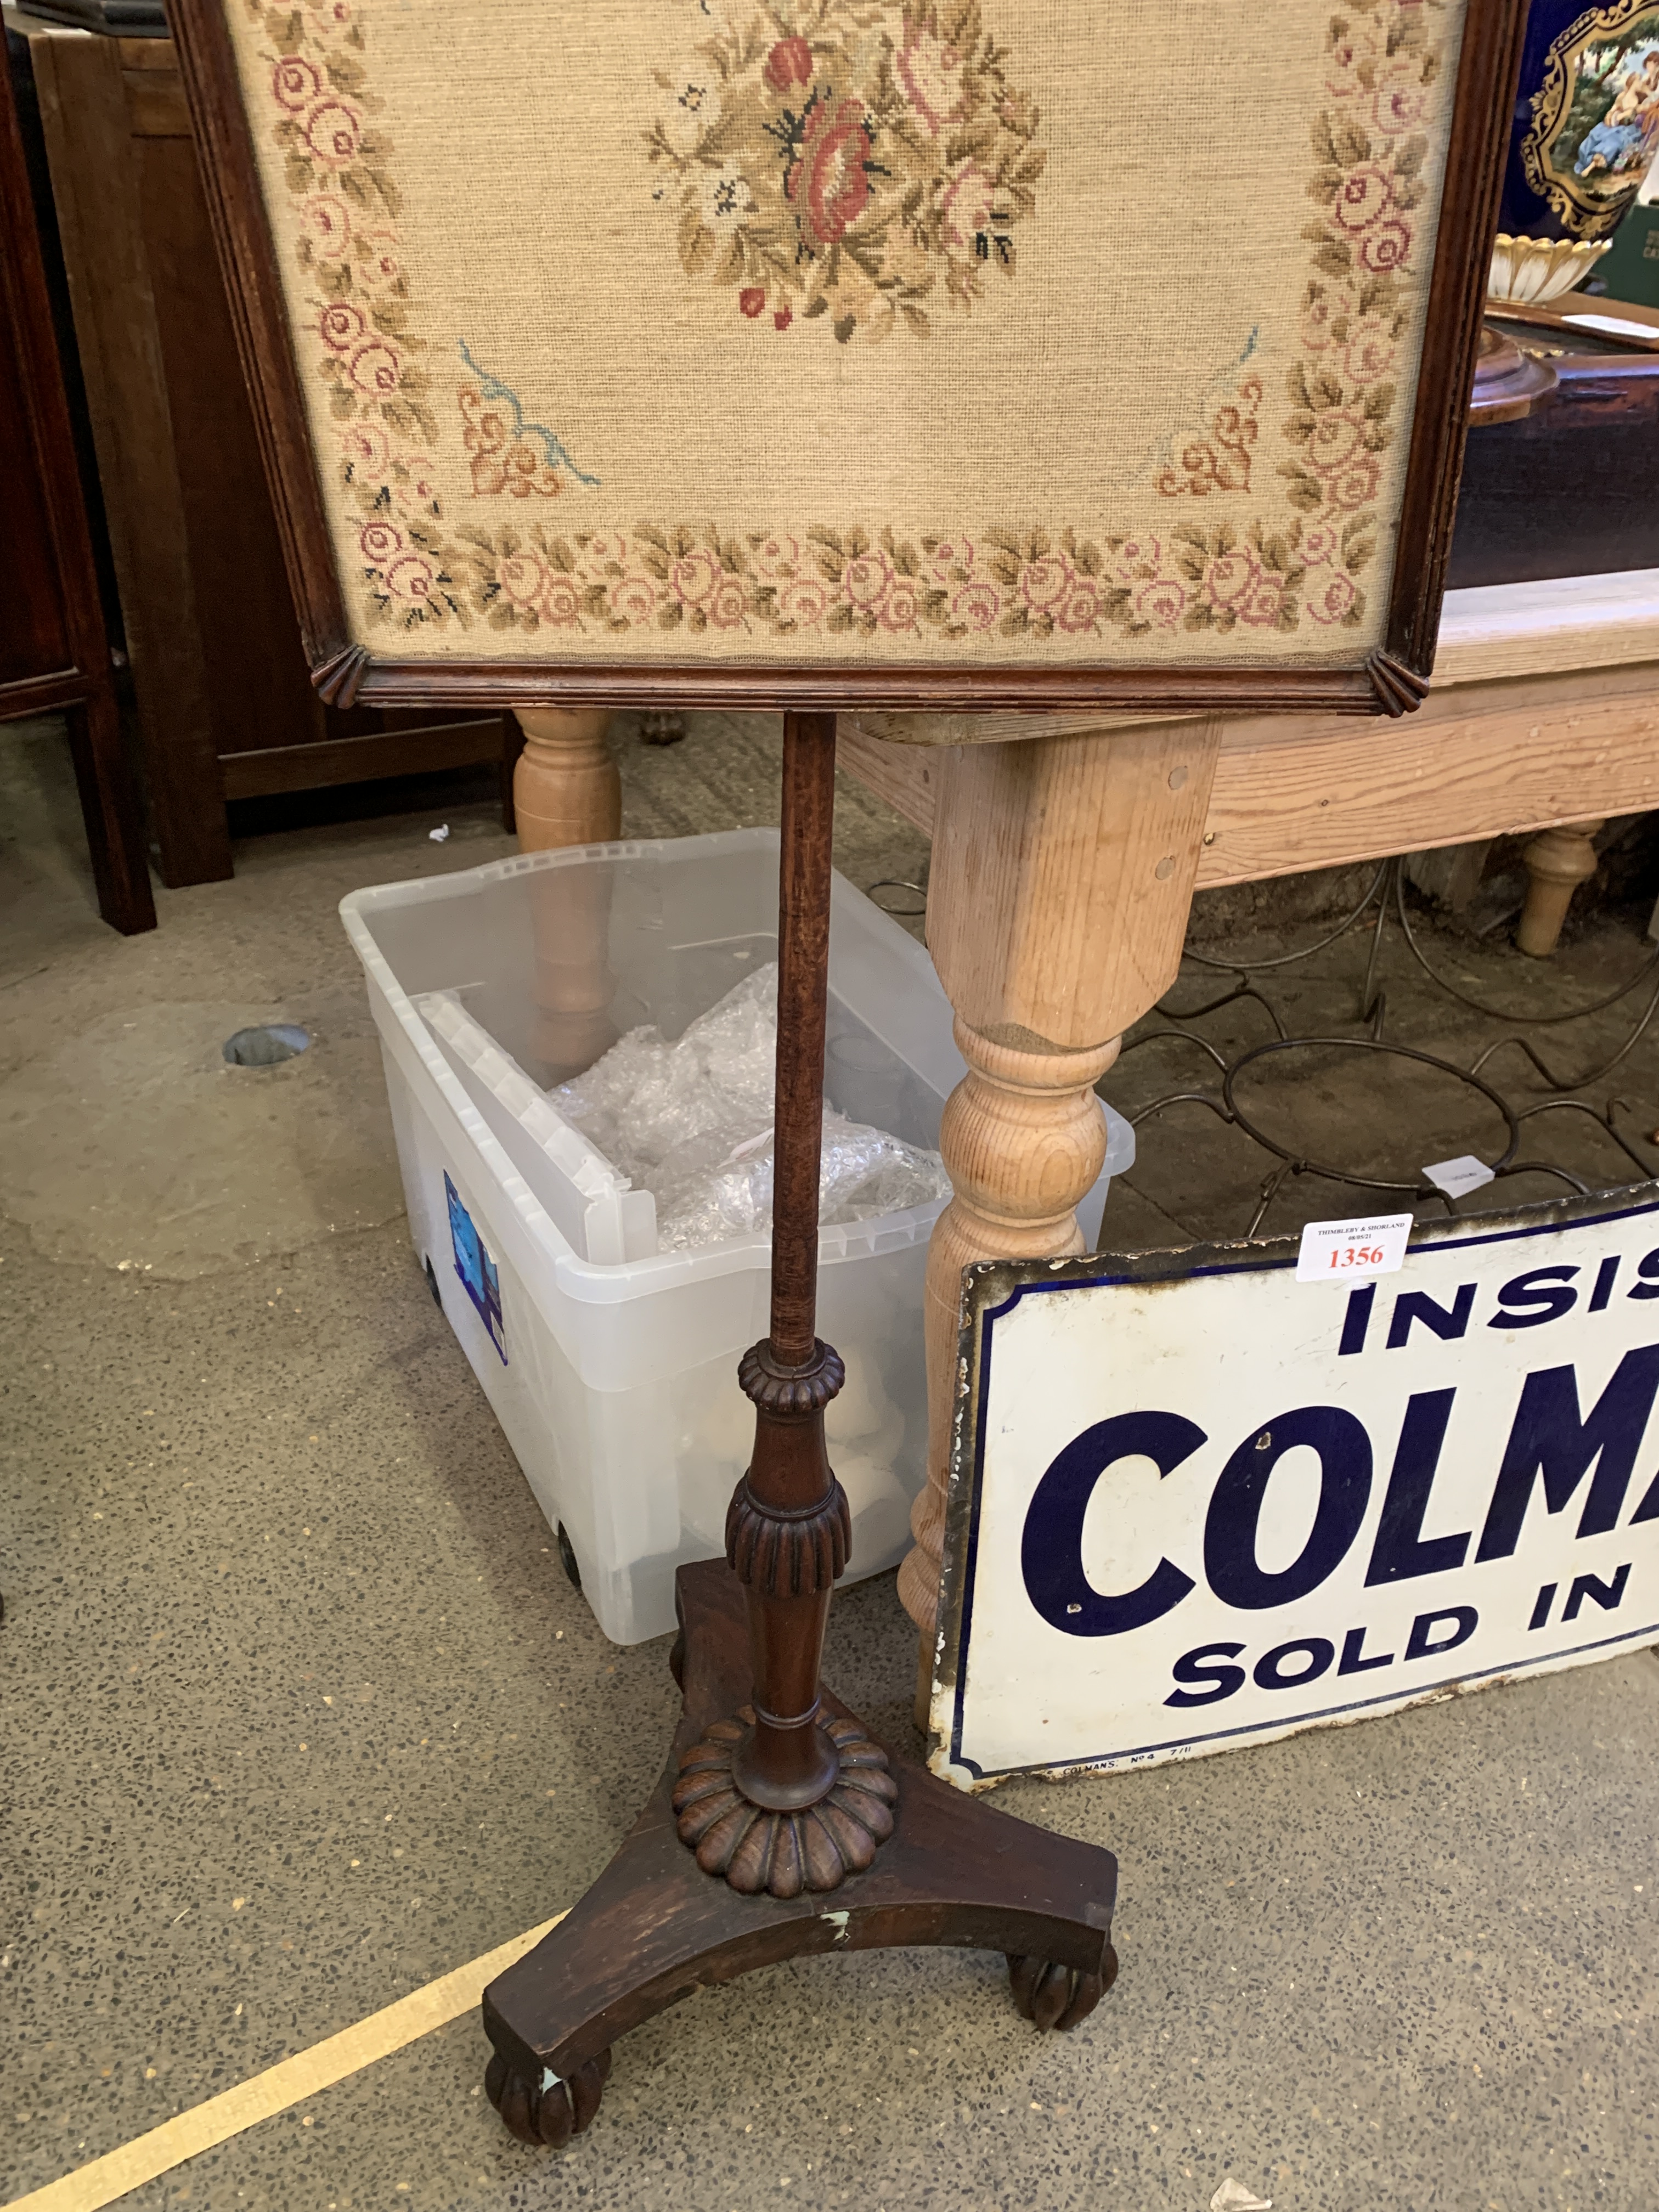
{"x":418,"y":567}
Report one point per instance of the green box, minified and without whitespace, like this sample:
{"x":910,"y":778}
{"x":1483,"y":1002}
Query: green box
{"x":1631,"y":270}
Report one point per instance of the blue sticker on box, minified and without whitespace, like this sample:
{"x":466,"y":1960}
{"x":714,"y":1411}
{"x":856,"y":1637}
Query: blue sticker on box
{"x":476,"y":1269}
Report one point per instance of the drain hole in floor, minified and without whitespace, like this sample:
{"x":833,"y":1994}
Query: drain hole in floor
{"x":267,"y":1047}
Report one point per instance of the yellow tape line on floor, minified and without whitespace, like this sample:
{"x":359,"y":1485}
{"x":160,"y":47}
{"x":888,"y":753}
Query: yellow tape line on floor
{"x":91,"y":2187}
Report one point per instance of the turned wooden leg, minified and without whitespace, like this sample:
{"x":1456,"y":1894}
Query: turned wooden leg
{"x":566,"y":792}
{"x":1557,"y":861}
{"x":1022,"y":1138}
{"x":1063,"y":875}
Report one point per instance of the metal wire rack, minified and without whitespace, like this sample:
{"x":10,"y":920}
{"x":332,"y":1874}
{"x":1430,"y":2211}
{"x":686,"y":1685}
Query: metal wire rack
{"x":1387,"y":894}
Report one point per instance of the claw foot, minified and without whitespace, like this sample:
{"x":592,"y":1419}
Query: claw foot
{"x":1058,"y":1996}
{"x":549,"y":2110}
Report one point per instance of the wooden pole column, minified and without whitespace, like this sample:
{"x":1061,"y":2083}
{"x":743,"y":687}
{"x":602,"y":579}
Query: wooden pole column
{"x":1063,"y":871}
{"x":777,"y":1798}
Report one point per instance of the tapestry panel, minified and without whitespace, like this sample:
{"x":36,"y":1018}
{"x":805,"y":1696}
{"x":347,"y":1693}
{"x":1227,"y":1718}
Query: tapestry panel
{"x":863,"y":332}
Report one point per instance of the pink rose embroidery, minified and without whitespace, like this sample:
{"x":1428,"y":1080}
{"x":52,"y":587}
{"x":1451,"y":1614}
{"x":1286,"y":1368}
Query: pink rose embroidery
{"x":1043,"y":583}
{"x":950,"y":556}
{"x":890,"y":128}
{"x":365,"y":446}
{"x":1354,"y":485}
{"x":828,"y":185}
{"x":730,"y":603}
{"x":1082,"y":609}
{"x":695,"y":578}
{"x":1361,"y":198}
{"x":1136,"y":559}
{"x":380,"y":541}
{"x":804,"y":602}
{"x":1318,"y":546}
{"x":1162,"y":604}
{"x":902,"y":605}
{"x":777,"y":557}
{"x":340,"y":325}
{"x":1331,"y":598}
{"x":1370,"y":356}
{"x":601,"y":551}
{"x":788,"y":64}
{"x":522,"y":577}
{"x":634,"y":599}
{"x":1386,"y":247}
{"x":965,"y":211}
{"x":866,"y":580}
{"x":295,"y":82}
{"x":411,"y":579}
{"x":1398,"y":107}
{"x":328,"y":225}
{"x":375,"y":369}
{"x":1228,"y":576}
{"x":1345,"y":57}
{"x":931,"y":74}
{"x":1265,"y":604}
{"x":377,"y":262}
{"x":1336,"y":439}
{"x":334,"y":132}
{"x":976,"y":606}
{"x":561,"y":603}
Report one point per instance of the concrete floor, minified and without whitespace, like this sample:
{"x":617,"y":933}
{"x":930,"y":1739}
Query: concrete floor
{"x":299,"y":1709}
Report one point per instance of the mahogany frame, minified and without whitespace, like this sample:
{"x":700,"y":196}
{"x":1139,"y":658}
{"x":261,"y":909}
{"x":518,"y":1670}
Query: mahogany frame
{"x":1392,"y":679}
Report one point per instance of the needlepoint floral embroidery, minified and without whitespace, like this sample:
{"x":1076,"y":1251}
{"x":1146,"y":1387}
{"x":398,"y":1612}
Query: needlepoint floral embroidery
{"x":854,"y":162}
{"x":1221,"y":460}
{"x":860,"y":165}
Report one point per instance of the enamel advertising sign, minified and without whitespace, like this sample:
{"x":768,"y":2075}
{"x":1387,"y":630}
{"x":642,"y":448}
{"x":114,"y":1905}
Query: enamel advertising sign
{"x":1200,"y":1500}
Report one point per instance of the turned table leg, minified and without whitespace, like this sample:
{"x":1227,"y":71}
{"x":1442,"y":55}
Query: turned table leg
{"x":1557,"y":861}
{"x":1063,"y":875}
{"x":566,"y":792}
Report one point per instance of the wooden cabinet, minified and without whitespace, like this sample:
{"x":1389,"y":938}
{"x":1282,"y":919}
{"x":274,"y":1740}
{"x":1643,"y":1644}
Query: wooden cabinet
{"x":54,"y":655}
{"x":226,"y":708}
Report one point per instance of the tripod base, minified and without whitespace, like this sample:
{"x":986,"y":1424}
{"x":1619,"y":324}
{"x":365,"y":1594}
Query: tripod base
{"x":656,"y":1927}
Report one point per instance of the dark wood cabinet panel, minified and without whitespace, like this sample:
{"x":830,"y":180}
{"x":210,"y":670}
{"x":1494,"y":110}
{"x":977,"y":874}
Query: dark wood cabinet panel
{"x":53,"y":651}
{"x":226,"y":707}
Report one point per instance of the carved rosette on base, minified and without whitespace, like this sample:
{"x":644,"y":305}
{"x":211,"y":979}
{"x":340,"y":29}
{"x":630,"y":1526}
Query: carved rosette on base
{"x":778,"y":1798}
{"x":784,"y":1853}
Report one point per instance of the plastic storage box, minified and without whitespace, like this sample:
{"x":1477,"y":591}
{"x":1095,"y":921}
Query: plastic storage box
{"x":611,"y":1366}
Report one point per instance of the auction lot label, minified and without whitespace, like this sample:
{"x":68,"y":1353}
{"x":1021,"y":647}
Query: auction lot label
{"x":1197,"y":1503}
